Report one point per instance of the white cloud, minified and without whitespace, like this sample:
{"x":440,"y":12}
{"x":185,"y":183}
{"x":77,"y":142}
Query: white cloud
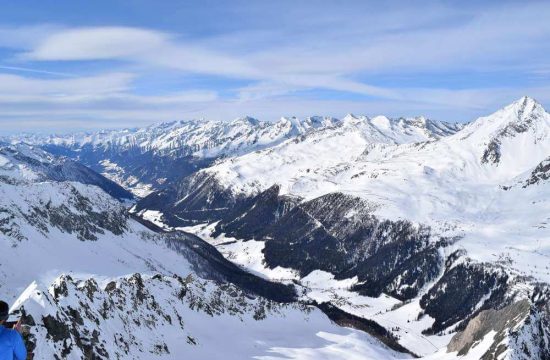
{"x":36,"y":71}
{"x":111,"y":89}
{"x":136,"y":45}
{"x":97,"y":43}
{"x":100,"y":84}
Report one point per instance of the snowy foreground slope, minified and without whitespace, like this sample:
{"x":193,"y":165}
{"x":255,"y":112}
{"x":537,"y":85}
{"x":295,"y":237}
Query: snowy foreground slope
{"x":146,"y":159}
{"x":444,"y":242}
{"x":91,"y":282}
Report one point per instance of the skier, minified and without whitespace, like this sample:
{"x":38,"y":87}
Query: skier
{"x":11,"y":342}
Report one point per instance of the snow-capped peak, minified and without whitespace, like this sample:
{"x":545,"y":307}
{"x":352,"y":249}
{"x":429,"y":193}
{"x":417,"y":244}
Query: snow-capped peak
{"x":517,"y":135}
{"x":351,"y":119}
{"x":247,"y":120}
{"x":517,"y":117}
{"x":527,"y":105}
{"x":381,"y":121}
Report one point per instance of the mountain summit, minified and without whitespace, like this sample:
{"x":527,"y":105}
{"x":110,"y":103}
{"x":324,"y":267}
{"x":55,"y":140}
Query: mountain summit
{"x":514,"y":136}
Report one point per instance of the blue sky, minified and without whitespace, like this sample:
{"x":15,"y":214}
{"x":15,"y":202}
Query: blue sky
{"x":73,"y":65}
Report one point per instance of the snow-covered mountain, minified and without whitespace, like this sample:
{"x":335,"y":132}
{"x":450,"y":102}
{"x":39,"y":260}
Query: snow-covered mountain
{"x":92,"y":282}
{"x":428,"y":239}
{"x":436,"y":240}
{"x":145,"y":159}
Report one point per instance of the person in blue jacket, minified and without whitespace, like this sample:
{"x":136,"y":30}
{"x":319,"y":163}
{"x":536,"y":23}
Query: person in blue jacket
{"x":11,"y":342}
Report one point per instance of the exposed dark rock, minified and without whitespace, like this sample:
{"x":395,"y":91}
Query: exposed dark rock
{"x":56,"y":329}
{"x":521,"y":330}
{"x":539,"y":174}
{"x":487,"y":321}
{"x":491,"y":153}
{"x":86,"y":223}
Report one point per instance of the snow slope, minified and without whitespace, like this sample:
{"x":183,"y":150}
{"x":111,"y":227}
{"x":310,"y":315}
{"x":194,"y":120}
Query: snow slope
{"x":174,"y":318}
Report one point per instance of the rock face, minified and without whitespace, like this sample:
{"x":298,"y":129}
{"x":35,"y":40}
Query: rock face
{"x":516,"y":328}
{"x":129,"y":316}
{"x":28,"y":209}
{"x":539,"y":174}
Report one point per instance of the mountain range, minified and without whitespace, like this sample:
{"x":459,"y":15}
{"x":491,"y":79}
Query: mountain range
{"x":366,"y":237}
{"x":145,"y":159}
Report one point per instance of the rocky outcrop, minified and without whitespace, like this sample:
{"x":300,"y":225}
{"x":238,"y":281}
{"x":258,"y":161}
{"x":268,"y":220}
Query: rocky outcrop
{"x":520,"y":331}
{"x":78,"y":216}
{"x":539,"y":174}
{"x":129,"y":316}
{"x":72,"y":208}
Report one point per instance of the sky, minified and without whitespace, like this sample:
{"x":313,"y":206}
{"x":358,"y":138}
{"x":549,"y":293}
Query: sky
{"x":71,"y":65}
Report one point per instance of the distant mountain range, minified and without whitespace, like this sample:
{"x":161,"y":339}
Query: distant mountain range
{"x":145,"y":159}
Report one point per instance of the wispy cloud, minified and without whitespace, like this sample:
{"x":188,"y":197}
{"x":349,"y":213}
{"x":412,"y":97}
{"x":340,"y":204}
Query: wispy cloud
{"x":35,"y":71}
{"x":100,"y":84}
